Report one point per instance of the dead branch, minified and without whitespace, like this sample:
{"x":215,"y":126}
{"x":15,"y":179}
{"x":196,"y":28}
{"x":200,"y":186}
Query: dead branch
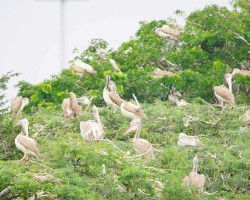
{"x":5,"y":191}
{"x":143,"y":192}
{"x":239,"y":37}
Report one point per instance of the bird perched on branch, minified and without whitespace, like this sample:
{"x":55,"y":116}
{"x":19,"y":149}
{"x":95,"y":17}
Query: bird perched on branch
{"x":195,"y":179}
{"x":224,"y":94}
{"x":17,"y":104}
{"x":167,"y":32}
{"x":82,"y":68}
{"x":142,"y":146}
{"x":92,"y":130}
{"x":114,"y":65}
{"x":71,"y":107}
{"x":245,"y":73}
{"x":24,"y":143}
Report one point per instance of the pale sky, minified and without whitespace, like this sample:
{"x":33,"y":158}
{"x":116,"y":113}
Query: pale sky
{"x":30,"y":29}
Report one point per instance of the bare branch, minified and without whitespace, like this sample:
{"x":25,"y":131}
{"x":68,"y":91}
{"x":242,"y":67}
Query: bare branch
{"x":239,"y":37}
{"x":5,"y":191}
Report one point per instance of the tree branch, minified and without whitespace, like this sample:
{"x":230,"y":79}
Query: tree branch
{"x":239,"y":37}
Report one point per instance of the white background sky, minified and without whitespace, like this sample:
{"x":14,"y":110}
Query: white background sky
{"x":30,"y":29}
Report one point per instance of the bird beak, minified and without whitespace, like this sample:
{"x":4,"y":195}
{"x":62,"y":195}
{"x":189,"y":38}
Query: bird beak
{"x":133,"y":127}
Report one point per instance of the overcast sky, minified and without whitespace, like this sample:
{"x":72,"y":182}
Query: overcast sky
{"x":30,"y":29}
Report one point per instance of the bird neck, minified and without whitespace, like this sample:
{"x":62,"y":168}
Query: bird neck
{"x":24,"y":130}
{"x":97,"y":119}
{"x":195,"y":165}
{"x":137,"y":134}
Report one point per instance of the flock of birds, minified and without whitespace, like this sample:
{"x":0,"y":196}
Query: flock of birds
{"x":94,"y":130}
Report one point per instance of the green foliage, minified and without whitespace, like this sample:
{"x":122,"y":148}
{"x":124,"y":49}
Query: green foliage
{"x":71,"y":168}
{"x":4,"y":79}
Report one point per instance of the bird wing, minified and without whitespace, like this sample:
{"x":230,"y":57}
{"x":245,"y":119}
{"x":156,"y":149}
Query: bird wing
{"x":224,"y":93}
{"x":86,"y":131}
{"x":134,"y":109}
{"x":116,"y":98}
{"x":86,"y":67}
{"x":142,"y":145}
{"x":170,"y":31}
{"x":244,"y":72}
{"x":16,"y":103}
{"x":77,"y":69}
{"x":29,"y":144}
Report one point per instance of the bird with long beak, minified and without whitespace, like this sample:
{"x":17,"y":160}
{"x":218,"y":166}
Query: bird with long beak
{"x":195,"y":179}
{"x":92,"y":130}
{"x":224,"y":94}
{"x":142,"y":146}
{"x":158,"y":73}
{"x":82,"y":68}
{"x":114,"y":65}
{"x":17,"y":104}
{"x":110,"y":95}
{"x":24,"y":143}
{"x":241,"y":72}
{"x":71,"y":107}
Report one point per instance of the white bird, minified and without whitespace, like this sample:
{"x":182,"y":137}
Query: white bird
{"x":186,"y":140}
{"x":173,"y":97}
{"x":142,"y":146}
{"x":114,"y":65}
{"x":17,"y":104}
{"x":131,"y":110}
{"x":24,"y":143}
{"x":110,"y":95}
{"x":70,"y":106}
{"x":195,"y":179}
{"x":224,"y":94}
{"x":158,"y":73}
{"x":82,"y":68}
{"x":245,"y":73}
{"x":240,"y":72}
{"x":92,"y":130}
{"x":83,"y":100}
{"x":167,"y":32}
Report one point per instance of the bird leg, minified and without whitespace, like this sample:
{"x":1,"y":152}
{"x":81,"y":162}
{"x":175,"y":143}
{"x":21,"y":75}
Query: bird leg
{"x":23,"y":158}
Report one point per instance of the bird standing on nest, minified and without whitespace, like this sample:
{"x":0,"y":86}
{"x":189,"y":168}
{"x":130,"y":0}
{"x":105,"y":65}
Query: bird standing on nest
{"x":71,"y":107}
{"x":92,"y":130}
{"x":24,"y":143}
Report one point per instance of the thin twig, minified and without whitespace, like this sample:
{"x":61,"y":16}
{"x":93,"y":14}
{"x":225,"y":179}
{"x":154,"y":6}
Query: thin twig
{"x":239,"y":37}
{"x":40,"y":164}
{"x":89,"y":104}
{"x":111,"y":143}
{"x":143,"y":192}
{"x":140,"y":155}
